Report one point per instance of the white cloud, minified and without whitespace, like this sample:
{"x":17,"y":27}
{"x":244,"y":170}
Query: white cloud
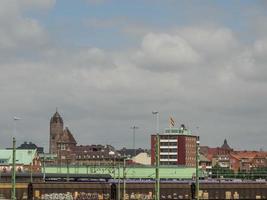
{"x":18,"y":32}
{"x":165,"y":51}
{"x":204,"y":76}
{"x":212,"y":41}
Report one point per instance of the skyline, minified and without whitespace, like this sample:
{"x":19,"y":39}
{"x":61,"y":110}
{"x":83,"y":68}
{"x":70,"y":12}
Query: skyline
{"x":107,"y":65}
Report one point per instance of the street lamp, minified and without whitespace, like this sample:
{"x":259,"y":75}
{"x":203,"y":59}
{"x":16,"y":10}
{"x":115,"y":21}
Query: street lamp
{"x":157,"y":185}
{"x":13,"y":194}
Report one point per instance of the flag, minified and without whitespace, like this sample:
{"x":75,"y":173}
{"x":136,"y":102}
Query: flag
{"x":172,"y":122}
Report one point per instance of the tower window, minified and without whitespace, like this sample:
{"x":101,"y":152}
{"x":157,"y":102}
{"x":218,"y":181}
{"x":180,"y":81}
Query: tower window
{"x":63,"y":147}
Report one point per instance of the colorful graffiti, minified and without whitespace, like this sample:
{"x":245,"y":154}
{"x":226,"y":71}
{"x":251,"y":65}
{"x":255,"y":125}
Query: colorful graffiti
{"x":92,"y":196}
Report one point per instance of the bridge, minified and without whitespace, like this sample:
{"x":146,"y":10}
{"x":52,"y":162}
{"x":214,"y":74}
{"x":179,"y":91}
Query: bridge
{"x":131,"y":172}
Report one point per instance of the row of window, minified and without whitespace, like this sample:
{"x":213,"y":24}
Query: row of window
{"x":168,"y":144}
{"x":168,"y":163}
{"x":89,"y":156}
{"x":168,"y":156}
{"x":168,"y":150}
{"x":168,"y":137}
{"x":62,"y":146}
{"x":190,"y":158}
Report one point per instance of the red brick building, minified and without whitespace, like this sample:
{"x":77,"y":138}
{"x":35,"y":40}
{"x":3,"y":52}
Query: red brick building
{"x":218,"y":155}
{"x":247,"y":160}
{"x":64,"y":146}
{"x":177,"y":147}
{"x":62,"y":142}
{"x":226,"y":157}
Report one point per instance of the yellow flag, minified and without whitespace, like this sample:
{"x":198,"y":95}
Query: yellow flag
{"x":172,"y":122}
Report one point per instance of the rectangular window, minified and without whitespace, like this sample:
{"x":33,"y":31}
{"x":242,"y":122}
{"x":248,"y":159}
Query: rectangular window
{"x":63,"y":147}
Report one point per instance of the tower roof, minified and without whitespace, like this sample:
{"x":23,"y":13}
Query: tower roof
{"x":67,"y":137}
{"x":56,"y":118}
{"x":225,"y":145}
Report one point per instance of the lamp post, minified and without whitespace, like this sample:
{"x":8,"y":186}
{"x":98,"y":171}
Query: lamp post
{"x":134,"y":128}
{"x":157,"y":185}
{"x":197,"y":168}
{"x":13,"y":193}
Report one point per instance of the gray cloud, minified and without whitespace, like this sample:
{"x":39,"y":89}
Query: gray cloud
{"x":204,"y":76}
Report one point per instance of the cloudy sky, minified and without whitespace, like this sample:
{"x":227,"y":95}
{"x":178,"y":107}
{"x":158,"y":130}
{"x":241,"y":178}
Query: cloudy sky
{"x":107,"y":64}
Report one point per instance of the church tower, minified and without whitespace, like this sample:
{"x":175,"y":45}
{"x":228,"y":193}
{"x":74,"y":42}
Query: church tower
{"x":56,"y":130}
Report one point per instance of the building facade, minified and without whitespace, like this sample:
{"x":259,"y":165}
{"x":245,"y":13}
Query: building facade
{"x":218,"y":155}
{"x":26,"y":160}
{"x":177,"y":147}
{"x":64,"y":149}
{"x":62,"y":142}
{"x":228,"y":158}
{"x":96,"y":155}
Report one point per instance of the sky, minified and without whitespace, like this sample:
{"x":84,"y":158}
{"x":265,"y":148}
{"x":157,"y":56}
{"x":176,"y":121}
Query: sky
{"x":106,"y":65}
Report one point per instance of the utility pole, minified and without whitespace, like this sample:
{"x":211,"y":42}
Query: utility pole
{"x":197,"y":168}
{"x":13,"y":194}
{"x":157,"y":185}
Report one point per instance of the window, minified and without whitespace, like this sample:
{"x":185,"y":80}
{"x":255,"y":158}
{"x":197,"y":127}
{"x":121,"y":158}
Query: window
{"x":168,"y":143}
{"x":63,"y":146}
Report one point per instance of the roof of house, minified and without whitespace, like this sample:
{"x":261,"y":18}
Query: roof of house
{"x":31,"y":145}
{"x":67,"y":136}
{"x":131,"y":152}
{"x":203,"y":158}
{"x":23,"y":156}
{"x":248,"y":154}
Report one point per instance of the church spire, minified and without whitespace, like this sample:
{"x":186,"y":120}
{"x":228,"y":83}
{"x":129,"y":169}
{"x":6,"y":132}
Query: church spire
{"x":56,"y":118}
{"x":225,"y":145}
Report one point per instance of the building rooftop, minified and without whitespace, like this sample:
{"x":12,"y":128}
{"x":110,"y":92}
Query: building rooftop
{"x":31,"y":145}
{"x":130,"y":152}
{"x":23,"y":156}
{"x":182,"y":130}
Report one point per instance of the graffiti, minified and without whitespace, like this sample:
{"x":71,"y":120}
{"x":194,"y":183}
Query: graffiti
{"x":74,"y":196}
{"x":92,"y":196}
{"x":139,"y":196}
{"x":57,"y":196}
